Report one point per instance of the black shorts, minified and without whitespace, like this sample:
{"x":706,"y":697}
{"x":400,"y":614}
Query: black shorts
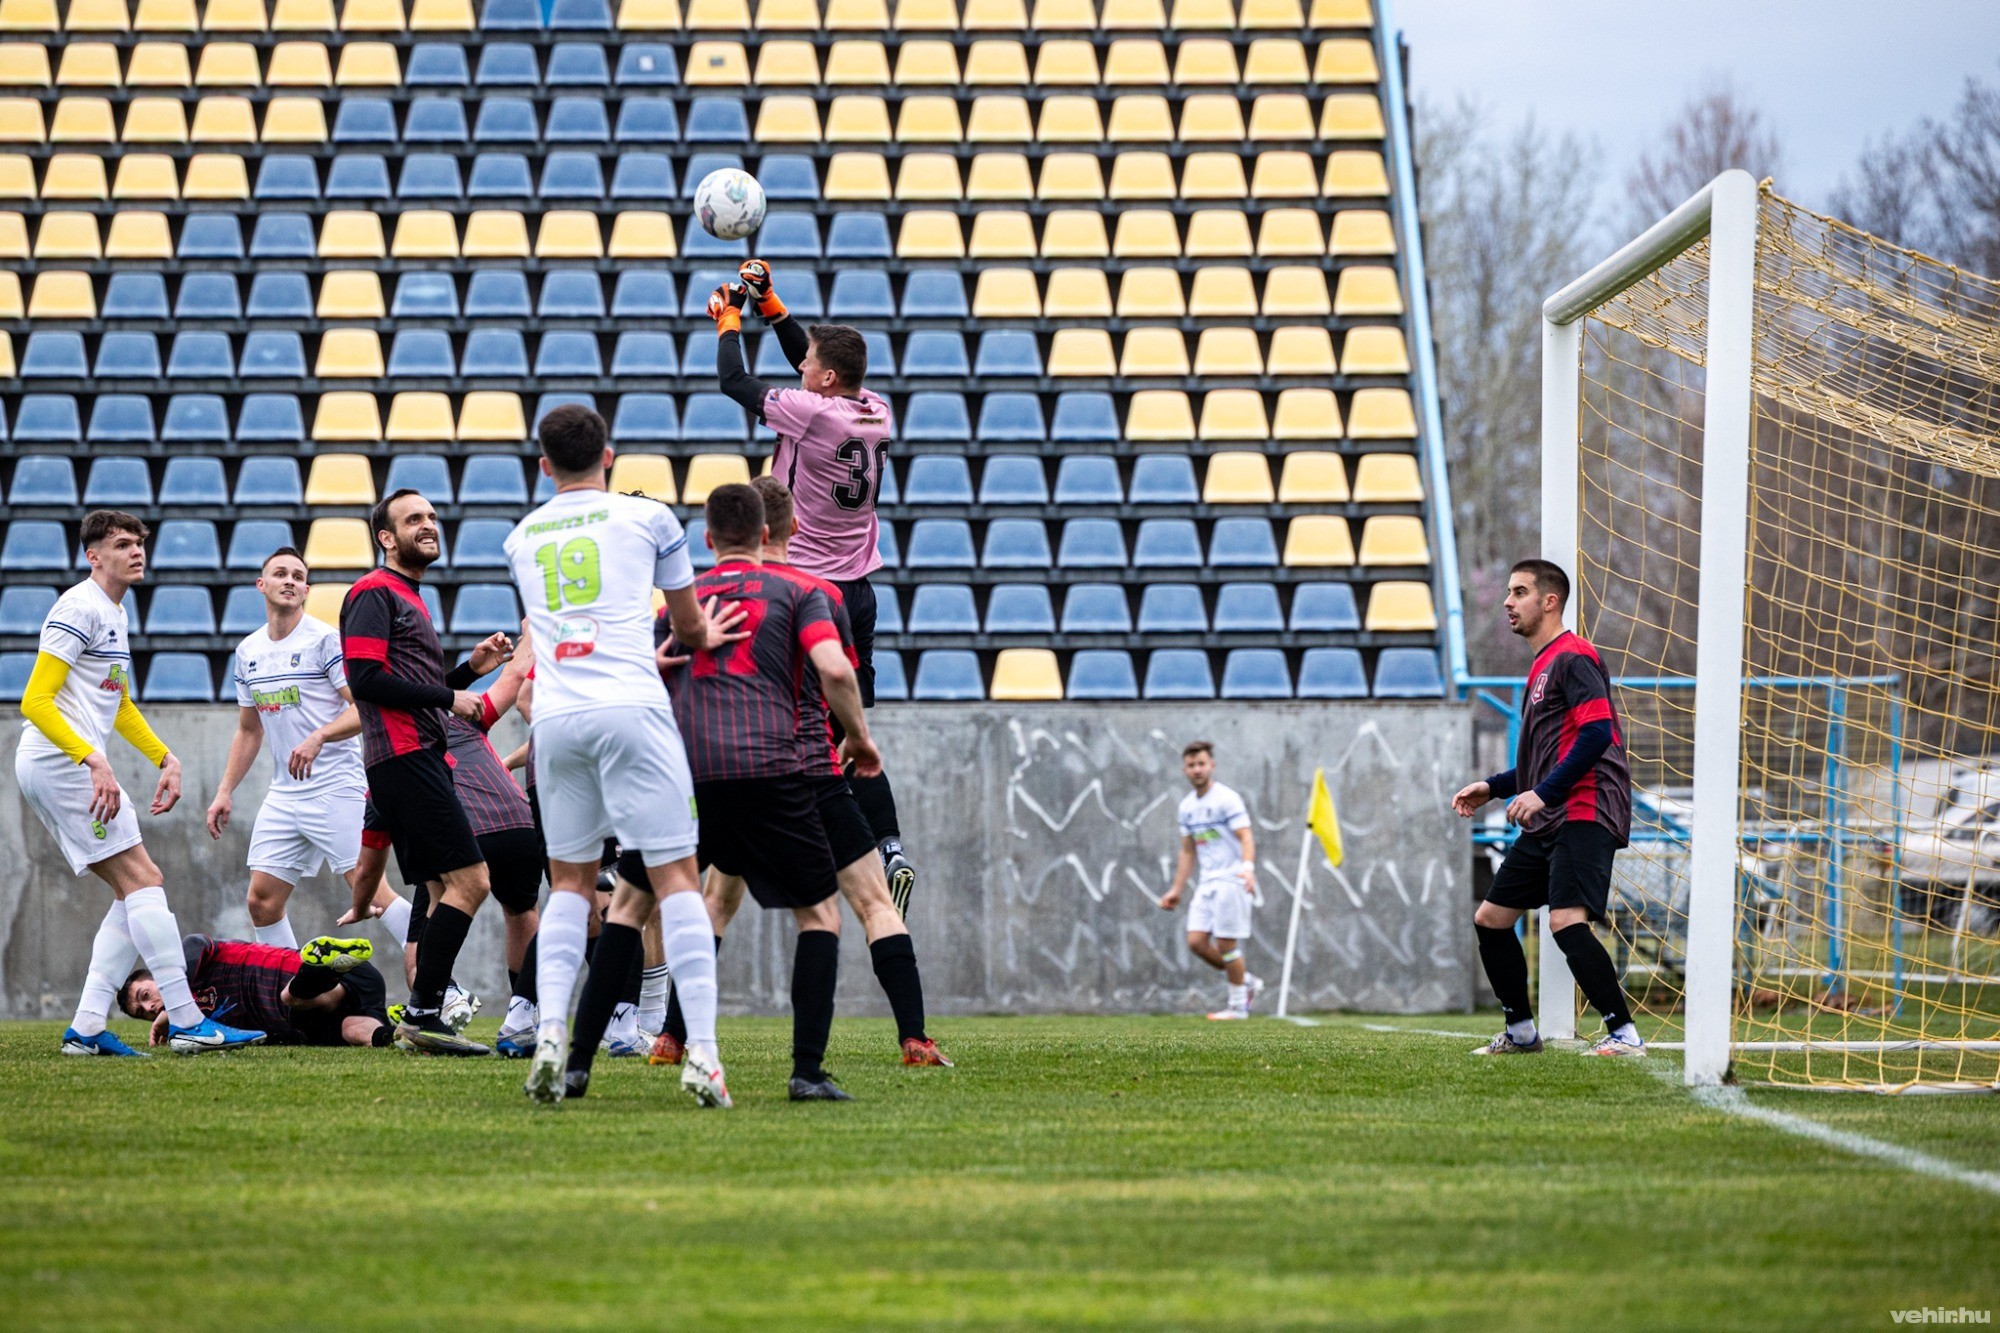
{"x":848,"y":835}
{"x":515,"y":861}
{"x":365,"y":996}
{"x":416,"y":800}
{"x":1566,"y":866}
{"x":768,"y":831}
{"x":858,"y":595}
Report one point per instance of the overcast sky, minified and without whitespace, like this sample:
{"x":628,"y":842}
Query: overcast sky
{"x":1828,"y":74}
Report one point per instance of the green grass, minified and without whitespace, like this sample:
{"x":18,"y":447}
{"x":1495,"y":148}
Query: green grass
{"x":1150,"y":1172}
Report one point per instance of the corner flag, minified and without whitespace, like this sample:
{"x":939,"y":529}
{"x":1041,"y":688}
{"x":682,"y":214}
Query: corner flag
{"x":1322,"y":820}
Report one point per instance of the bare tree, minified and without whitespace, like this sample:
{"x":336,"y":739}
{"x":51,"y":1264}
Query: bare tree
{"x":1714,"y":131}
{"x":1935,"y":188}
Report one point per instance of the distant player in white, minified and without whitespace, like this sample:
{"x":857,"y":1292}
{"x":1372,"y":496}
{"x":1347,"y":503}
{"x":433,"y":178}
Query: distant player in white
{"x":608,"y":756}
{"x":1215,"y":834}
{"x":80,"y":692}
{"x":292,"y":687}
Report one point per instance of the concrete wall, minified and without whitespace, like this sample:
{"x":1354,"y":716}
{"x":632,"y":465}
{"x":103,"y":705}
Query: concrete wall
{"x":1043,"y":835}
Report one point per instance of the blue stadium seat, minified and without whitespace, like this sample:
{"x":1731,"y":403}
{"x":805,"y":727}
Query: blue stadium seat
{"x":859,"y":236}
{"x":1096,"y":608}
{"x":274,"y":294}
{"x":1102,"y":673}
{"x":938,"y":479}
{"x":572,"y":175}
{"x":651,"y":120}
{"x":1179,"y":673}
{"x":499,"y":176}
{"x":121,"y":418}
{"x":769,"y":361}
{"x":890,"y":682}
{"x":359,"y":175}
{"x":15,"y":668}
{"x":1256,"y":673}
{"x":644,"y":294}
{"x":1007,"y":352}
{"x":424,"y":296}
{"x":715,"y":120}
{"x":364,"y":120}
{"x":1242,"y":541}
{"x":421,"y":354}
{"x":498,"y":293}
{"x":1013,"y":479}
{"x":700,"y":285}
{"x":578,"y":119}
{"x":201,"y":356}
{"x":1016,"y":543}
{"x":1088,"y":479}
{"x":1085,"y":416}
{"x":272,"y":354}
{"x":178,"y":678}
{"x":1020,"y":608}
{"x":1248,"y":608}
{"x":186,"y":543}
{"x":48,"y":418}
{"x":435,"y":606}
{"x":545,"y":489}
{"x":436,"y":65}
{"x":115,"y":483}
{"x":578,"y":65}
{"x":861,"y":294}
{"x":283,"y":236}
{"x":1172,"y":608}
{"x":943,"y":608}
{"x":580,"y":14}
{"x":699,"y":165}
{"x":210,"y":236}
{"x":1324,"y":607}
{"x":549,"y":402}
{"x":209,"y":296}
{"x":44,"y":479}
{"x":1092,"y":543}
{"x":568,"y":353}
{"x":196,"y":418}
{"x":888,"y":491}
{"x":644,"y":354}
{"x":713,"y":416}
{"x":789,"y":236}
{"x":1012,"y":418}
{"x":698,"y":549}
{"x":253,"y":540}
{"x":648,"y":64}
{"x":802,"y":298}
{"x":1164,"y":479}
{"x":190,"y":480}
{"x":940,"y":543}
{"x":934,"y":293}
{"x":495,"y":353}
{"x":242,"y":611}
{"x":643,"y":176}
{"x":888,"y":610}
{"x":34,"y":543}
{"x":483,"y":608}
{"x":286,"y":176}
{"x":935,"y":353}
{"x":935,"y":416}
{"x":268,"y":418}
{"x":1332,"y":673}
{"x":135,"y":295}
{"x":428,"y":473}
{"x":430,"y":176}
{"x":1166,"y":542}
{"x":788,"y":177}
{"x":887,"y":547}
{"x":881,"y":353}
{"x":948,"y":675}
{"x":698,"y":244}
{"x":180,"y":610}
{"x":648,"y":417}
{"x":489,"y":479}
{"x":54,"y":355}
{"x":434,"y":120}
{"x":1408,"y":673}
{"x":506,"y":120}
{"x":127,"y":356}
{"x":508,"y":64}
{"x":23,"y":609}
{"x":269,"y":480}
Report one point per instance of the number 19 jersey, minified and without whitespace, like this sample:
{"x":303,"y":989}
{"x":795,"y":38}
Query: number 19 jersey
{"x":586,"y":564}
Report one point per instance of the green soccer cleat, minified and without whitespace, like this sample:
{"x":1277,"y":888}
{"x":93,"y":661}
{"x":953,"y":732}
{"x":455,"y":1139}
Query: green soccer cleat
{"x":397,"y":1012}
{"x":337,"y":955}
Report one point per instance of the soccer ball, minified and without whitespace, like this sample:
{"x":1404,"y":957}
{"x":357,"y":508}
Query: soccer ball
{"x":729,"y":203}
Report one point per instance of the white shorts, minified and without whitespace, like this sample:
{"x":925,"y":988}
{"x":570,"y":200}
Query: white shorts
{"x":1221,"y":908}
{"x":614,"y":773}
{"x":59,"y":791}
{"x":296,"y":833}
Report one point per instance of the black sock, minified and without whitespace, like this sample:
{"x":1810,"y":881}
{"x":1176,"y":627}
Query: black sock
{"x":311,"y":982}
{"x":524,"y":979}
{"x":1595,"y":975}
{"x":619,"y":948}
{"x":896,"y":968}
{"x":444,"y":936}
{"x":513,"y":980}
{"x":420,"y":912}
{"x":590,"y":951}
{"x":382,"y":1036}
{"x":1507,"y":968}
{"x":815,"y":969}
{"x":634,"y":981}
{"x":877,"y":800}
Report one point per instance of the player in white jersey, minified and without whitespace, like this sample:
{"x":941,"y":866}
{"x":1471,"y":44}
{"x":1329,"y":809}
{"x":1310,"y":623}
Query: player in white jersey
{"x":1216,"y":837}
{"x":292,"y":687}
{"x":608,"y":756}
{"x":79,"y":693}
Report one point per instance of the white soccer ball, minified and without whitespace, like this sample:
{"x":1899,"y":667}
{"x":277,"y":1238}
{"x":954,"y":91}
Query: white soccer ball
{"x":729,"y":204}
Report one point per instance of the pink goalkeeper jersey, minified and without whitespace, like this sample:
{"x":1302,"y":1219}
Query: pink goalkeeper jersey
{"x":831,"y":452}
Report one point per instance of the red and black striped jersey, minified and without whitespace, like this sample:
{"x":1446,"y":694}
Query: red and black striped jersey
{"x":815,"y":718}
{"x":1567,"y":690}
{"x":384,"y":620}
{"x":243,"y":984}
{"x":486,"y":790}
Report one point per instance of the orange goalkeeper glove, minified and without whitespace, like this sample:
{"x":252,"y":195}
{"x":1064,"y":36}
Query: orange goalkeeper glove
{"x":725,"y":307}
{"x":755,"y":275}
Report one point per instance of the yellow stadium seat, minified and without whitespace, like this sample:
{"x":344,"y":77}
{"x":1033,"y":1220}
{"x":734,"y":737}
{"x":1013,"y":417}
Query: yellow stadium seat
{"x":159,"y":65}
{"x":1289,"y":231}
{"x":1006,"y":293}
{"x":999,"y":176}
{"x":492,"y":414}
{"x":1223,"y":351}
{"x":498,"y":233}
{"x":566,"y":233}
{"x":1375,"y":350}
{"x":1156,"y":415}
{"x":1394,"y":539}
{"x":28,"y":16}
{"x":1151,"y":293}
{"x":1341,"y":60}
{"x":324,"y":600}
{"x":224,"y":120}
{"x":1299,"y":350}
{"x":648,"y":474}
{"x":1026,"y":674}
{"x":368,"y":65}
{"x":21,"y":120}
{"x":1078,"y":293}
{"x":13,"y":236}
{"x":98,"y":16}
{"x":856,"y":176}
{"x":235,"y":16}
{"x":1234,"y":414}
{"x":1340,"y":14}
{"x":719,"y":15}
{"x":1141,"y":118}
{"x":351,"y":294}
{"x":216,"y":176}
{"x":929,"y":176}
{"x":295,"y":120}
{"x":1071,"y":176}
{"x":1283,"y":175}
{"x":1313,"y":476}
{"x":716,"y":63}
{"x":24,"y":65}
{"x":1154,"y":351}
{"x":1205,"y":60}
{"x":1220,"y":289}
{"x":1211,"y":118}
{"x":705,"y":472}
{"x":1146,"y":233}
{"x":68,"y":236}
{"x":1318,"y":541}
{"x":58,"y":294}
{"x":930,"y":234}
{"x":1066,"y":61}
{"x":1001,"y":233}
{"x":861,"y":16}
{"x":1296,"y":289}
{"x":344,"y":417}
{"x":641,"y":234}
{"x":994,"y":16}
{"x":1361,"y":231}
{"x":1368,"y":290}
{"x":1070,"y":118}
{"x":339,"y":543}
{"x":857,"y":118}
{"x":1213,"y":176}
{"x":781,"y":64}
{"x":926,"y":61}
{"x":1063,"y":16}
{"x":302,"y":16}
{"x":146,"y":176}
{"x":1136,"y":60}
{"x":649,"y":15}
{"x":1388,"y":479}
{"x":17,"y":176}
{"x":228,"y":65}
{"x":1381,"y":414}
{"x":1142,"y":176}
{"x":1143,"y":15}
{"x":787,"y":15}
{"x":1075,"y":352}
{"x":1395,"y":606}
{"x":1351,"y":116}
{"x":1074,"y":233}
{"x":349,"y":354}
{"x":1271,"y":14}
{"x":1306,"y":414}
{"x":155,"y":120}
{"x":82,"y":120}
{"x":1239,"y":478}
{"x":863,"y":63}
{"x":999,"y":118}
{"x":341,"y":479}
{"x":445,"y":16}
{"x":10,"y":296}
{"x":1280,"y":116}
{"x":993,"y":60}
{"x":1278,"y":60}
{"x":7,"y":368}
{"x":75,"y":176}
{"x":417,"y":416}
{"x":1355,"y":173}
{"x":87,"y":65}
{"x":1215,"y":233}
{"x":929,"y":118}
{"x":788,"y":119}
{"x":138,"y":236}
{"x":355,"y":233}
{"x":372,"y":16}
{"x":299,"y":65}
{"x":1191,"y":14}
{"x":421,"y":233}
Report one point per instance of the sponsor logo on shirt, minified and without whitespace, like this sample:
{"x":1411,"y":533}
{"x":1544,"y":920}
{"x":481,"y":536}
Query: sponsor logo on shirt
{"x":576,"y":636}
{"x":270,"y":701}
{"x":116,"y":680}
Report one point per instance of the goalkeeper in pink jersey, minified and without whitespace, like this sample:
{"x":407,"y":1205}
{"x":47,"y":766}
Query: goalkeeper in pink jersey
{"x":833,"y":450}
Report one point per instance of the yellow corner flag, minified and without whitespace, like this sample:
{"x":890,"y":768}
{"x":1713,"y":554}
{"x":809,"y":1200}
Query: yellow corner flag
{"x":1322,"y":820}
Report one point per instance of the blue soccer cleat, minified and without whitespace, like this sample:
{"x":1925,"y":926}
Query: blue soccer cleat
{"x":515,"y":1043}
{"x":209,"y":1035}
{"x":104,"y":1043}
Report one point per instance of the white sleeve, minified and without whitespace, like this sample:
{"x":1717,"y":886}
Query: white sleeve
{"x":1238,"y":817}
{"x":243,"y":699}
{"x":673,"y":569}
{"x":333,"y":662}
{"x":70,"y":628}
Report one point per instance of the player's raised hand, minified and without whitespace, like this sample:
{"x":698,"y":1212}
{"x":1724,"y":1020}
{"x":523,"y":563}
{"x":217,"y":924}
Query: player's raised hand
{"x":725,"y":306}
{"x":218,"y":813}
{"x":104,"y":794}
{"x":860,"y":752}
{"x":1470,"y":798}
{"x":167,"y":794}
{"x":755,"y":275}
{"x":491,"y":652}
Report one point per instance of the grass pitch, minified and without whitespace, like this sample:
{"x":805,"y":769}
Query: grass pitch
{"x":1075,"y":1172}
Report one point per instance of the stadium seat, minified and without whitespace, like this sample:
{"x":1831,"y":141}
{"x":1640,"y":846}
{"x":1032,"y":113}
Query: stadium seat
{"x":45,"y":480}
{"x":1100,"y":673}
{"x":339,"y":543}
{"x":119,"y":483}
{"x":484,"y":608}
{"x":1394,"y":539}
{"x":1388,"y":479}
{"x":861,"y":294}
{"x":1016,"y":543}
{"x":887,"y":547}
{"x":186,"y":543}
{"x":713,"y":416}
{"x":478,"y":543}
{"x":1179,"y":673}
{"x":1013,"y":479}
{"x":189,"y":482}
{"x":1238,"y":478}
{"x":323,"y":601}
{"x":1020,"y":608}
{"x":1248,"y":608}
{"x":494,"y":353}
{"x":568,"y":354}
{"x":1408,"y":673}
{"x":253,"y":540}
{"x":1163,"y":479}
{"x":648,"y":474}
{"x":935,"y":416}
{"x":1026,"y":674}
{"x":1332,"y":673}
{"x":1242,"y":541}
{"x":498,"y":293}
{"x":195,"y":418}
{"x":1091,"y":543}
{"x":1096,"y":608}
{"x":643,"y":293}
{"x":1172,"y":608}
{"x":1397,"y":606}
{"x":34,"y":544}
{"x":646,"y":417}
{"x":1012,"y":417}
{"x":948,"y":675}
{"x":490,"y":479}
{"x":1381,"y":414}
{"x":705,"y":472}
{"x":1163,"y":542}
{"x":1256,"y":673}
{"x":1088,"y":352}
{"x":1084,"y":417}
{"x":269,"y":480}
{"x":935,"y":353}
{"x":1085,"y":480}
{"x":938,"y":479}
{"x":943,"y":608}
{"x":135,"y":295}
{"x":179,"y":678}
{"x":180,"y":611}
{"x":940,"y":543}
{"x":274,"y":418}
{"x":23,"y":609}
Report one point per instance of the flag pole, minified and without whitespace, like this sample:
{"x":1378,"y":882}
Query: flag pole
{"x":1292,"y":931}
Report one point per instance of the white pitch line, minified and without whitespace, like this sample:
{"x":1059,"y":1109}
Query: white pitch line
{"x":1421,"y":1032}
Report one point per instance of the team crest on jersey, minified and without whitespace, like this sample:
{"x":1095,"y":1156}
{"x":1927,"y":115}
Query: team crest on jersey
{"x":295,"y":658}
{"x":1541,"y":688}
{"x":576,"y":636}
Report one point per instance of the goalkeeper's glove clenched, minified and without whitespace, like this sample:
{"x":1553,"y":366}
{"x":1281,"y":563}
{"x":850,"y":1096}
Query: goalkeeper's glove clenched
{"x":725,"y":307}
{"x":755,"y":275}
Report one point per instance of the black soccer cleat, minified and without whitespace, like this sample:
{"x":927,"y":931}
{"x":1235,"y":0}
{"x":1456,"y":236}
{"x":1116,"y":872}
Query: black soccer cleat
{"x":821,"y":1089}
{"x":576,"y":1082}
{"x":902,"y":879}
{"x":428,"y":1034}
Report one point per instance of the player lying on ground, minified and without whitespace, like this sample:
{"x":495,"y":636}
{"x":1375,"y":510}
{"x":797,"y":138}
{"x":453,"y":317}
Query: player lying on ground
{"x":78,"y":693}
{"x":327,"y":994}
{"x":1570,"y":794}
{"x":1215,"y":834}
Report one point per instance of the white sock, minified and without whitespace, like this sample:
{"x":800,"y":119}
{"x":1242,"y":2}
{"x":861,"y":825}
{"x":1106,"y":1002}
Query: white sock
{"x":158,"y":938}
{"x":1627,"y":1032}
{"x":690,"y":941}
{"x":520,"y":1014}
{"x":396,"y":920}
{"x":624,"y":1025}
{"x":112,"y":955}
{"x":1522,"y":1032}
{"x":653,"y":985}
{"x":559,"y":953}
{"x":279,"y":932}
{"x":1239,"y":997}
